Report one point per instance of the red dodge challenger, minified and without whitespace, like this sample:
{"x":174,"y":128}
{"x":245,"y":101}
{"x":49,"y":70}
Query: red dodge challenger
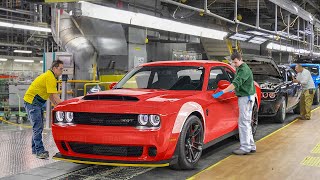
{"x":160,"y":114}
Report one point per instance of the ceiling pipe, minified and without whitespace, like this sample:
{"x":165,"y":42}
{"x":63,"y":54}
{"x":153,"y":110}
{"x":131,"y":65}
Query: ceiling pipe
{"x":228,"y":20}
{"x":18,"y":11}
{"x":198,"y":10}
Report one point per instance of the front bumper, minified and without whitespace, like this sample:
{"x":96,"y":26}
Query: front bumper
{"x":115,"y":144}
{"x":163,"y":163}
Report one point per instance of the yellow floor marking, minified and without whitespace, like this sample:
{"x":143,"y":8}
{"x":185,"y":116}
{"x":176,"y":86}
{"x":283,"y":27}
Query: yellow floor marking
{"x":311,"y":161}
{"x":15,"y":124}
{"x":210,"y":167}
{"x":316,"y":149}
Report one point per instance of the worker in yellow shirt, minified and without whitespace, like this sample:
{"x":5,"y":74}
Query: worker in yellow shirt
{"x":44,"y":87}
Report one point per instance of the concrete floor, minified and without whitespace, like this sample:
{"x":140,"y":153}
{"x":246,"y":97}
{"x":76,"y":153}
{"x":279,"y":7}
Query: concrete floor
{"x":26,"y":166}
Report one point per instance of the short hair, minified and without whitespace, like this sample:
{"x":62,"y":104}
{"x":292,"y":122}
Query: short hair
{"x":236,"y":55}
{"x":298,"y":66}
{"x":56,"y":63}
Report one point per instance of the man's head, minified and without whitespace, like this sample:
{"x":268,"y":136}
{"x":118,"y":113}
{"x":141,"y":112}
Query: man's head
{"x":236,"y":59}
{"x":298,"y":68}
{"x":57,"y":67}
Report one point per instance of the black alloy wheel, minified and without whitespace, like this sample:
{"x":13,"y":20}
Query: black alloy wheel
{"x":189,"y":146}
{"x":254,"y":119}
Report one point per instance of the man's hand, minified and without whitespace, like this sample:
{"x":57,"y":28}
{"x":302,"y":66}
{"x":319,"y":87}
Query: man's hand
{"x":294,"y":80}
{"x":218,"y":94}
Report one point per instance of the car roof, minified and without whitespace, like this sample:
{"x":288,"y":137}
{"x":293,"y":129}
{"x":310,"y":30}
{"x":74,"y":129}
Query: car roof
{"x":306,"y":64}
{"x":185,"y":63}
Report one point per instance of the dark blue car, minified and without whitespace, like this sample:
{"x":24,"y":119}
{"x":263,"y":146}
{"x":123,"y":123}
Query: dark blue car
{"x":314,"y":69}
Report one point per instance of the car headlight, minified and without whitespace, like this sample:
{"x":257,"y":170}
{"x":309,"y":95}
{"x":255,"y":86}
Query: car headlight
{"x":59,"y":116}
{"x":143,"y":119}
{"x":69,"y":117}
{"x":155,"y":120}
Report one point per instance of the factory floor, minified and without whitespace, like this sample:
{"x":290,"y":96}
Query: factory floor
{"x":284,"y":151}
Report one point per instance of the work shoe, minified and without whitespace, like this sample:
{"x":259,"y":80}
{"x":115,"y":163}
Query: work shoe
{"x":43,"y":155}
{"x":240,"y":152}
{"x":253,"y":151}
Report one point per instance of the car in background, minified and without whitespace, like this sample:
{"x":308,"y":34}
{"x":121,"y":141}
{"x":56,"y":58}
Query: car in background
{"x":279,"y":94}
{"x":159,"y":114}
{"x":314,"y":70}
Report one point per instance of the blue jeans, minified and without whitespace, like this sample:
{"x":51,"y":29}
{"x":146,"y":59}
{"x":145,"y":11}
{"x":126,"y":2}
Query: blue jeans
{"x":35,"y":115}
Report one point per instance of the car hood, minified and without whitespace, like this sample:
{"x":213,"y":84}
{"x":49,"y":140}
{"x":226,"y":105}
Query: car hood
{"x":262,"y":65}
{"x":125,"y":100}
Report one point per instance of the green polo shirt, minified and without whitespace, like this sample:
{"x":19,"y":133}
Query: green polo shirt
{"x":243,"y":81}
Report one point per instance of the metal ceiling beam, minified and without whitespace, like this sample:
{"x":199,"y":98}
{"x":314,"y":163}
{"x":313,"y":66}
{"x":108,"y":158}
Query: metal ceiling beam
{"x":19,"y":45}
{"x":18,"y":11}
{"x":293,"y":8}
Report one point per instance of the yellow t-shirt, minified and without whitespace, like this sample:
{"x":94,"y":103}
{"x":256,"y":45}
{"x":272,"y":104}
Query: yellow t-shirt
{"x":41,"y":88}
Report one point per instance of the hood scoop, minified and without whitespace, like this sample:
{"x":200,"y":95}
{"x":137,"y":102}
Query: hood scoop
{"x":110,"y":98}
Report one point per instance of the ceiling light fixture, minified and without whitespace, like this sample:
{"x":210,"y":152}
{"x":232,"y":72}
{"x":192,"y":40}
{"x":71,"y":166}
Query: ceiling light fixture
{"x":23,"y":60}
{"x":3,"y":59}
{"x":22,"y":51}
{"x":26,"y":27}
{"x":144,"y":20}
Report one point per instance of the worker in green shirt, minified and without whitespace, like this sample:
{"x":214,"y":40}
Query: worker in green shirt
{"x":245,"y":90}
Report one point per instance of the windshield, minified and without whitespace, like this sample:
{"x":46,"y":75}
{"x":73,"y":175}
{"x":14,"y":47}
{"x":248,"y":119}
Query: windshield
{"x":160,"y":77}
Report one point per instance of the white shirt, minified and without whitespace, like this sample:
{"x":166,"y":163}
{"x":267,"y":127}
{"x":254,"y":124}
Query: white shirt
{"x":305,"y":79}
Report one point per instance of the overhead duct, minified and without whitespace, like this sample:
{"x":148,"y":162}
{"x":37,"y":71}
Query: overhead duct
{"x":72,"y":40}
{"x":295,"y":9}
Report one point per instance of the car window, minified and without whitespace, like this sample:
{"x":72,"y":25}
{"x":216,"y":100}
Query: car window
{"x":230,"y":74}
{"x":216,"y":75}
{"x":160,"y":77}
{"x":139,"y":80}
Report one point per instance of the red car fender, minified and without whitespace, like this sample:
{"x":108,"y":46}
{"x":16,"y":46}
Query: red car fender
{"x":184,"y":112}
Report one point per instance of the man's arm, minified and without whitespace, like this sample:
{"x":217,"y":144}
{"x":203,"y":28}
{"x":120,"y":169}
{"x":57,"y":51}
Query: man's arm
{"x":229,"y":88}
{"x":54,"y":98}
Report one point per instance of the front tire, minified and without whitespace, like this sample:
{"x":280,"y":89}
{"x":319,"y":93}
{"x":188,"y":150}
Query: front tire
{"x":296,"y":110}
{"x":189,"y":146}
{"x":281,"y":114}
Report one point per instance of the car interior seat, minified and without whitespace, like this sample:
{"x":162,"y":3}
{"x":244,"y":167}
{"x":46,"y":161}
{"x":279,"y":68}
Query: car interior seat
{"x":183,"y":83}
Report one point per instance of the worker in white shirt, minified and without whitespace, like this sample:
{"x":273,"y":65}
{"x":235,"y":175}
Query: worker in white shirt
{"x":308,"y":89}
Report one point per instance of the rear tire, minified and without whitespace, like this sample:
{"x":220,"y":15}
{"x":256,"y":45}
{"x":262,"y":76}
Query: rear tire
{"x":281,"y":114}
{"x":316,"y":98}
{"x":189,"y":146}
{"x":254,"y":119}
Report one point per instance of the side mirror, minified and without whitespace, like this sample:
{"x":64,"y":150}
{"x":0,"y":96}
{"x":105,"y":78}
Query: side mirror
{"x":112,"y":85}
{"x":222,"y":84}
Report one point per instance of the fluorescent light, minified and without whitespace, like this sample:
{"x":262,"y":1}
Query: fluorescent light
{"x":22,"y":51}
{"x":3,"y":59}
{"x":256,"y":33}
{"x":27,"y":27}
{"x":238,"y":38}
{"x":23,"y":60}
{"x":258,"y":40}
{"x":144,"y":20}
{"x":41,"y":62}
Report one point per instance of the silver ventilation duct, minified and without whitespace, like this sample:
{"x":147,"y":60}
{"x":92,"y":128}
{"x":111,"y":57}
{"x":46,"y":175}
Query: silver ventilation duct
{"x":72,"y":40}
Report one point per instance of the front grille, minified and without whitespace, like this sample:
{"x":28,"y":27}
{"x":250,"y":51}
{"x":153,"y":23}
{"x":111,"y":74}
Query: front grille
{"x":106,"y":150}
{"x":105,"y":119}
